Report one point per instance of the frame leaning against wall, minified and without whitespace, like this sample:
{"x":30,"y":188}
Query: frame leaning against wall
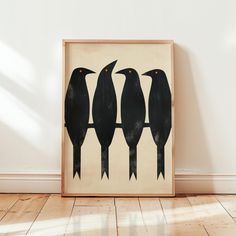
{"x":64,"y":180}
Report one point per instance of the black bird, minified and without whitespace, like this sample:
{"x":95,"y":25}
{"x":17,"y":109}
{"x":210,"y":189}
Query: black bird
{"x":132,"y":115}
{"x":159,"y":106}
{"x":104,"y":114}
{"x":77,"y":113}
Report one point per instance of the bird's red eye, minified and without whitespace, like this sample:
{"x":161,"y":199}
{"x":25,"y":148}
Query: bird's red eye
{"x":130,"y":71}
{"x":156,"y":72}
{"x":80,"y":71}
{"x":106,"y":70}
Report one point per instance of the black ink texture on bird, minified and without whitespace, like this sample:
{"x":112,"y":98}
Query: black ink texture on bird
{"x":77,"y":113}
{"x":132,"y":115}
{"x":159,"y":105}
{"x":104,"y":114}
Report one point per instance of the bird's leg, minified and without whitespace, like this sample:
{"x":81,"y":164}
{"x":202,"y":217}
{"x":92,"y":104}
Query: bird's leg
{"x":133,"y":161}
{"x":76,"y":160}
{"x":161,"y":161}
{"x":105,"y":161}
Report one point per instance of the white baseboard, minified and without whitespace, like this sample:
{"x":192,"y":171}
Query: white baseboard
{"x":19,"y":182}
{"x":26,"y":182}
{"x":202,"y":183}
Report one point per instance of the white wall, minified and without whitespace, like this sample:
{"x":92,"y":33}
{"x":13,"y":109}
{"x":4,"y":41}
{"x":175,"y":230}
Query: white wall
{"x":30,"y":77}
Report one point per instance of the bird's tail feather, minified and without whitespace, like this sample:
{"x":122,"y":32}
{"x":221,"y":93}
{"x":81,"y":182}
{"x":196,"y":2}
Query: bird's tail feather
{"x":132,"y":162}
{"x":76,"y":160}
{"x":105,"y":161}
{"x":161,"y":161}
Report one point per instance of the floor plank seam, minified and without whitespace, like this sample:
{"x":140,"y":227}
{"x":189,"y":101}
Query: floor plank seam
{"x":68,"y":223}
{"x":224,"y":208}
{"x":8,"y":210}
{"x":37,"y":215}
{"x":116,"y":216}
{"x":205,"y":229}
{"x":5,"y":212}
{"x":163,"y":211}
{"x":146,"y":228}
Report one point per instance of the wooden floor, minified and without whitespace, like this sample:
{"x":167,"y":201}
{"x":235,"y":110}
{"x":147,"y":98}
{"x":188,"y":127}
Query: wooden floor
{"x":51,"y":215}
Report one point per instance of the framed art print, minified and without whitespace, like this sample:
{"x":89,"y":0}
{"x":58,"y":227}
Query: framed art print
{"x":118,"y":118}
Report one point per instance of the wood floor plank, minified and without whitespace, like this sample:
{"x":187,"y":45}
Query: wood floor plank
{"x":129,"y":217}
{"x":30,"y":203}
{"x":6,"y":202}
{"x":178,"y":210}
{"x":94,"y":201}
{"x":153,"y":216}
{"x":54,"y":217}
{"x":2,"y":213}
{"x":41,"y":214}
{"x":181,"y":230}
{"x":20,"y":217}
{"x":209,"y":211}
{"x":17,"y":223}
{"x":92,"y":220}
{"x":229,"y":203}
{"x":221,"y":230}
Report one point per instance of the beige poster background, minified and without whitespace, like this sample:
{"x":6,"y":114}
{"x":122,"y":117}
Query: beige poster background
{"x":141,"y":57}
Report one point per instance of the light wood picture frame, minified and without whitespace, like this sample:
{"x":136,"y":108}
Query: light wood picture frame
{"x":118,"y":118}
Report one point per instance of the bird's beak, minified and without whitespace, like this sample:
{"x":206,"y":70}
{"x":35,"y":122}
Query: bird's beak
{"x":146,"y":73}
{"x":89,"y":71}
{"x":110,"y":66}
{"x":120,"y":72}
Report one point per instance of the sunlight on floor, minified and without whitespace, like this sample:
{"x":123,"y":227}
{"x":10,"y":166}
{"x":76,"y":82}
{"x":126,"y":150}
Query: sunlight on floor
{"x":53,"y":226}
{"x":101,"y":222}
{"x":88,"y":222}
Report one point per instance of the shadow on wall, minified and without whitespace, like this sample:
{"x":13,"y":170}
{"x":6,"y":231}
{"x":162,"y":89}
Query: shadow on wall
{"x":29,"y":125}
{"x":191,"y":147}
{"x":14,"y":148}
{"x":21,"y":128}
